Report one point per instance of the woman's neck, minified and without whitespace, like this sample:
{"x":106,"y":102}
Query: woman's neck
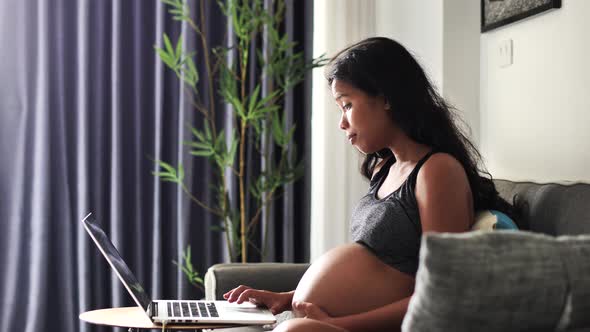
{"x":406,"y":150}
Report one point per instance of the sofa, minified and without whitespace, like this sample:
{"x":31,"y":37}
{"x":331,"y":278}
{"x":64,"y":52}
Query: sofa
{"x":550,"y":210}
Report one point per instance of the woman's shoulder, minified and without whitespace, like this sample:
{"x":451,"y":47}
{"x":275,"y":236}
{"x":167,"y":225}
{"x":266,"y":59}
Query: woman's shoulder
{"x":441,"y":167}
{"x":442,"y":160}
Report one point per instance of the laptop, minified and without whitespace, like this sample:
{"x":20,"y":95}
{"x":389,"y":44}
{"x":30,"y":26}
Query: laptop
{"x":174,"y":311}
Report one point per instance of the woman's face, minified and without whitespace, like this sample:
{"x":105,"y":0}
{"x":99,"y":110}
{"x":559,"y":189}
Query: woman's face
{"x":364,"y":118}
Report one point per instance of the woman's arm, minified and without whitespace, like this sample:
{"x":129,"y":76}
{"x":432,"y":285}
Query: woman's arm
{"x":443,"y":194}
{"x":386,"y":318}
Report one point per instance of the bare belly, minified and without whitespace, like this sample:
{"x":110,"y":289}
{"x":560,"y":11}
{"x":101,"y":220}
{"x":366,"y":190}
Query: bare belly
{"x":350,"y":279}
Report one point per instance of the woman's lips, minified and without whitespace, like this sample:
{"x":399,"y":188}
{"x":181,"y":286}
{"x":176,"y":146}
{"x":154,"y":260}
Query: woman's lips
{"x":351,"y":137}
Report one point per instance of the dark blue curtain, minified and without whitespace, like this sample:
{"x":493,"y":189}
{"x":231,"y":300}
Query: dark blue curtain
{"x":85,"y":105}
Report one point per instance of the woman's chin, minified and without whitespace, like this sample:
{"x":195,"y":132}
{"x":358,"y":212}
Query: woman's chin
{"x":360,"y":150}
{"x":365,"y":150}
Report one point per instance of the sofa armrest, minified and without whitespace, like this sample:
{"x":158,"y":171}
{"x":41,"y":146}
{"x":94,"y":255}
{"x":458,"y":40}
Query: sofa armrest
{"x":276,"y":277}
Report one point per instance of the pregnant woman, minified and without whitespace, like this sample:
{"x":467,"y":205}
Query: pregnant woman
{"x":425,"y":177}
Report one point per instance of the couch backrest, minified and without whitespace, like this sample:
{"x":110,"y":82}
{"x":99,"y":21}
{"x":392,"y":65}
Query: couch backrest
{"x":553,"y":209}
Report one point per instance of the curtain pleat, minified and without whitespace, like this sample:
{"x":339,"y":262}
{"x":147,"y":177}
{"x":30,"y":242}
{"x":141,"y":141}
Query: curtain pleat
{"x":80,"y":188}
{"x":156,"y":140}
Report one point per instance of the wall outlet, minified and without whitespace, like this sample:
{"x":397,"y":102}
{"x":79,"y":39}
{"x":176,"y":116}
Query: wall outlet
{"x":505,"y":54}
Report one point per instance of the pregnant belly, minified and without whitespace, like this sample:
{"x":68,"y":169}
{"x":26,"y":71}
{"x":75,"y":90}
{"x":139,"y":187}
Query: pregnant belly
{"x":350,"y":279}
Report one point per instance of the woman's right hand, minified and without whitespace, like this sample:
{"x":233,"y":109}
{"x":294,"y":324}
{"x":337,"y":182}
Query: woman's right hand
{"x":275,"y":302}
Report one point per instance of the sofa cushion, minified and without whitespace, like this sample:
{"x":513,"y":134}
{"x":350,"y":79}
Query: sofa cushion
{"x":554,"y":209}
{"x":275,"y":277}
{"x":501,"y":281}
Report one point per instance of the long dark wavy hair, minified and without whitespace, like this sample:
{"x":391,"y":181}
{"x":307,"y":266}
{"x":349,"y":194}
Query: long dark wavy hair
{"x":383,"y":67}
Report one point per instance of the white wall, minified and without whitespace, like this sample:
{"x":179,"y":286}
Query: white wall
{"x":460,"y":64}
{"x":535,"y":114}
{"x":418,"y":25}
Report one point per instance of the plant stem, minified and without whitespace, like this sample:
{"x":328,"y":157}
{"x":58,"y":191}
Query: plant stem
{"x":263,"y":204}
{"x":208,"y":68}
{"x":201,"y":34}
{"x":201,"y":204}
{"x":268,"y":196}
{"x":242,"y":191}
{"x":196,"y":104}
{"x":243,"y":49}
{"x":225,"y":218}
{"x":211,"y":118}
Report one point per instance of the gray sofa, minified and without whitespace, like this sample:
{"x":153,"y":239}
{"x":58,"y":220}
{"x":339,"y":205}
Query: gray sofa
{"x":552,"y":209}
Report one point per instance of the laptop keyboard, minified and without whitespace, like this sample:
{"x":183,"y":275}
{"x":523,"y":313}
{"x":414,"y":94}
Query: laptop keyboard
{"x":184,"y":309}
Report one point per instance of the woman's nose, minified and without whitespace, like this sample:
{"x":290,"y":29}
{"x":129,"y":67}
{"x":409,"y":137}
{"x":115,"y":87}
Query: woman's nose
{"x":343,"y":121}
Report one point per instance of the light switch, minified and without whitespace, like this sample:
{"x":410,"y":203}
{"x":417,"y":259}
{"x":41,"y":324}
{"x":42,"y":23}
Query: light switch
{"x":505,"y":53}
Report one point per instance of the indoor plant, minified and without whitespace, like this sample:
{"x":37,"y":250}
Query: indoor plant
{"x":258,"y":109}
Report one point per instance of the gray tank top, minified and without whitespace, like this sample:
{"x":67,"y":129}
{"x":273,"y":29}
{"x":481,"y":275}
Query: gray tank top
{"x":390,"y":227}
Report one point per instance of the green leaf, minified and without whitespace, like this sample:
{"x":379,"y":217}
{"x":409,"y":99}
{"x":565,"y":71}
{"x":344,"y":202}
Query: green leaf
{"x":169,"y":48}
{"x":165,"y":166}
{"x":180,"y":172}
{"x":234,"y":148}
{"x":188,"y":79}
{"x":164,"y":176}
{"x":168,"y":179}
{"x":238,"y":107}
{"x":188,"y":255}
{"x":223,"y":7}
{"x":169,"y":2}
{"x":263,"y":111}
{"x":208,"y":131}
{"x":197,"y":145}
{"x":217,"y":228}
{"x":277,"y":129}
{"x":166,"y":58}
{"x":198,"y":134}
{"x":257,"y":128}
{"x":202,"y":153}
{"x":192,"y":69}
{"x":253,"y":99}
{"x":289,"y":135}
{"x":187,"y":272}
{"x":219,"y":144}
{"x":178,"y":47}
{"x":268,"y":98}
{"x":255,"y":191}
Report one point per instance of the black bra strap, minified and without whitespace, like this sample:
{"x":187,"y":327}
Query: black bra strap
{"x":412,"y":177}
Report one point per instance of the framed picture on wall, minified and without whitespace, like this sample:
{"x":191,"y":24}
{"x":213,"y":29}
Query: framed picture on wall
{"x":496,"y":13}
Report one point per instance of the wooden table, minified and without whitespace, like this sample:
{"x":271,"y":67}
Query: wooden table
{"x":135,"y":318}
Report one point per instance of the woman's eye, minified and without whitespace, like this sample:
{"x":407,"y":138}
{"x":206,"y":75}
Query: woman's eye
{"x":347,"y":106}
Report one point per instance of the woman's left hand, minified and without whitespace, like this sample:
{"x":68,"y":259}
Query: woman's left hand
{"x":312,"y":311}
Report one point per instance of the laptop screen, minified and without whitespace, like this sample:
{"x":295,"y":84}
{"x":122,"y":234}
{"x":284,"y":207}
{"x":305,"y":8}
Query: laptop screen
{"x":114,"y":258}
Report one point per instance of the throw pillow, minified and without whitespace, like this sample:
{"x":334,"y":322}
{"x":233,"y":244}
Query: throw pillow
{"x":488,"y":220}
{"x":501,"y":281}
